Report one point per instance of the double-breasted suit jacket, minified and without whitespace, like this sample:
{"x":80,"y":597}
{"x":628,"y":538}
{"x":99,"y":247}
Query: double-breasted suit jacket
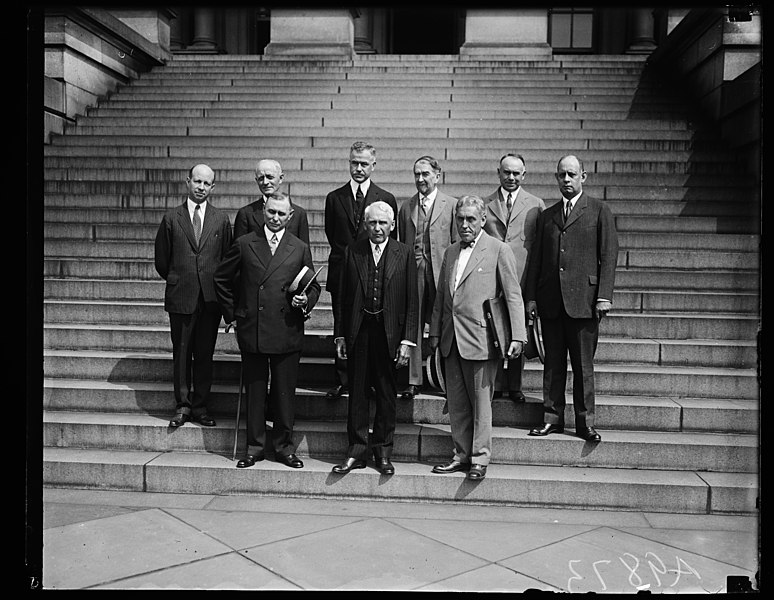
{"x":459,"y":313}
{"x":517,"y":230}
{"x":253,"y":289}
{"x":573,"y":264}
{"x":189,"y":268}
{"x":342,"y":228}
{"x":267,"y":323}
{"x":250,"y":218}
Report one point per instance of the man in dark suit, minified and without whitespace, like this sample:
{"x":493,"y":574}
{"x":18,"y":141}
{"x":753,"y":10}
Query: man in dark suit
{"x":570,"y":283}
{"x":474,"y":270}
{"x":344,"y":223}
{"x":376,"y":322}
{"x":511,"y":217}
{"x":260,"y":286}
{"x":190,"y":243}
{"x":426,"y":223}
{"x":269,"y":177}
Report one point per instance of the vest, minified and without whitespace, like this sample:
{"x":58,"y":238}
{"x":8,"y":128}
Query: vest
{"x":373,"y":300}
{"x":422,"y":237}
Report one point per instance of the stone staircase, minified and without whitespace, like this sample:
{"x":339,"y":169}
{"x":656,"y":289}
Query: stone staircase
{"x":678,"y":389}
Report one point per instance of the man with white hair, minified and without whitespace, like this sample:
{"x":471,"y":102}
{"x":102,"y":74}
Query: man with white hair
{"x":376,"y":322}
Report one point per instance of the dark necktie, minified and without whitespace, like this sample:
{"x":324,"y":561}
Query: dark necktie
{"x":567,"y":208}
{"x":273,"y":244}
{"x":359,"y":199}
{"x":510,"y":202}
{"x":197,"y":223}
{"x":467,"y":244}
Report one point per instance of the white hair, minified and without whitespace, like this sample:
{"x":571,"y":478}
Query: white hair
{"x":379,"y":205}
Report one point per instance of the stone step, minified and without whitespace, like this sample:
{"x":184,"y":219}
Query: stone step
{"x":676,"y":325}
{"x":429,"y":114}
{"x":97,"y":232}
{"x":610,"y":379}
{"x":319,"y":342}
{"x":737,"y":453}
{"x":298,"y":105}
{"x":568,"y":487}
{"x":625,"y":300}
{"x":630,"y":413}
{"x":657,"y":279}
{"x":319,"y":160}
{"x":685,"y":259}
{"x":163,"y":194}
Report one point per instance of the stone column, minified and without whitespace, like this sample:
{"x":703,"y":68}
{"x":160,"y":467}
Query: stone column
{"x":641,"y":31}
{"x":204,"y":32}
{"x":175,"y":32}
{"x":364,"y":31}
{"x":515,"y":33}
{"x":323,"y":33}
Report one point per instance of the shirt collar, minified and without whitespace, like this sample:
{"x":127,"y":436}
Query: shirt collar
{"x":474,"y":242}
{"x":381,"y":246}
{"x":572,"y":200}
{"x":270,"y":233}
{"x":504,"y":193}
{"x":192,"y":207}
{"x":430,"y":197}
{"x":363,"y":186}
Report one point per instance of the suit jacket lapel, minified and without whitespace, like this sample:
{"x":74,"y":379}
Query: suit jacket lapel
{"x":185,"y":223}
{"x":436,"y":210}
{"x":519,"y":204}
{"x":207,"y":226}
{"x":260,"y":248}
{"x":497,"y":208}
{"x":361,"y":254}
{"x":256,"y":216}
{"x":390,"y":259}
{"x":414,"y":212}
{"x":577,"y":211}
{"x":475,"y":258}
{"x":454,"y":255}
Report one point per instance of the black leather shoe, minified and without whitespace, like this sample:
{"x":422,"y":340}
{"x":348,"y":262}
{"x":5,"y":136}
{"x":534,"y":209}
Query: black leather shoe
{"x":517,"y":397}
{"x":179,"y":419}
{"x":205,"y":420}
{"x":589,"y":434}
{"x":477,"y":472}
{"x":348,"y":465}
{"x":451,"y":467}
{"x":385,"y":466}
{"x":546,"y":429}
{"x":249,"y":460}
{"x":291,"y":460}
{"x":410,"y":392}
{"x":336,"y":392}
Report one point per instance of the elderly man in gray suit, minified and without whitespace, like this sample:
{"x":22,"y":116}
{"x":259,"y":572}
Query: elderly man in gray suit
{"x":511,"y":217}
{"x":426,"y":223}
{"x":474,"y":270}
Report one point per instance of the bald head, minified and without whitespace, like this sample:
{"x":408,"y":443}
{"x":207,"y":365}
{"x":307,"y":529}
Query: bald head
{"x":200,"y":181}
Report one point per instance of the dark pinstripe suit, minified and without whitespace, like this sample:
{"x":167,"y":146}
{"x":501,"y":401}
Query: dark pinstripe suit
{"x":372,"y":345}
{"x":341,"y":229}
{"x":190,"y":300}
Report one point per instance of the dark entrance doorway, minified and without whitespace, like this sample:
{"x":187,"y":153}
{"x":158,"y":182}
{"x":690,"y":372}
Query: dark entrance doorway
{"x":426,"y":30}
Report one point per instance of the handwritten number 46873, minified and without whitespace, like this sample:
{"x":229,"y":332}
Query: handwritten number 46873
{"x":631,"y":563}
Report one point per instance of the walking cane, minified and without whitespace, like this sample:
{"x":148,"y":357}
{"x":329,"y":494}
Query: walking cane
{"x":239,"y":403}
{"x":238,"y":411}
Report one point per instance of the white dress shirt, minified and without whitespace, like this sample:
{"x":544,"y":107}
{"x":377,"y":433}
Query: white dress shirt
{"x":462,"y":261}
{"x":192,"y":207}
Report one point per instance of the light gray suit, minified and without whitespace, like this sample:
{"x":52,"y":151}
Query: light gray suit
{"x":442,"y":233}
{"x":518,"y":230}
{"x":466,"y":341}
